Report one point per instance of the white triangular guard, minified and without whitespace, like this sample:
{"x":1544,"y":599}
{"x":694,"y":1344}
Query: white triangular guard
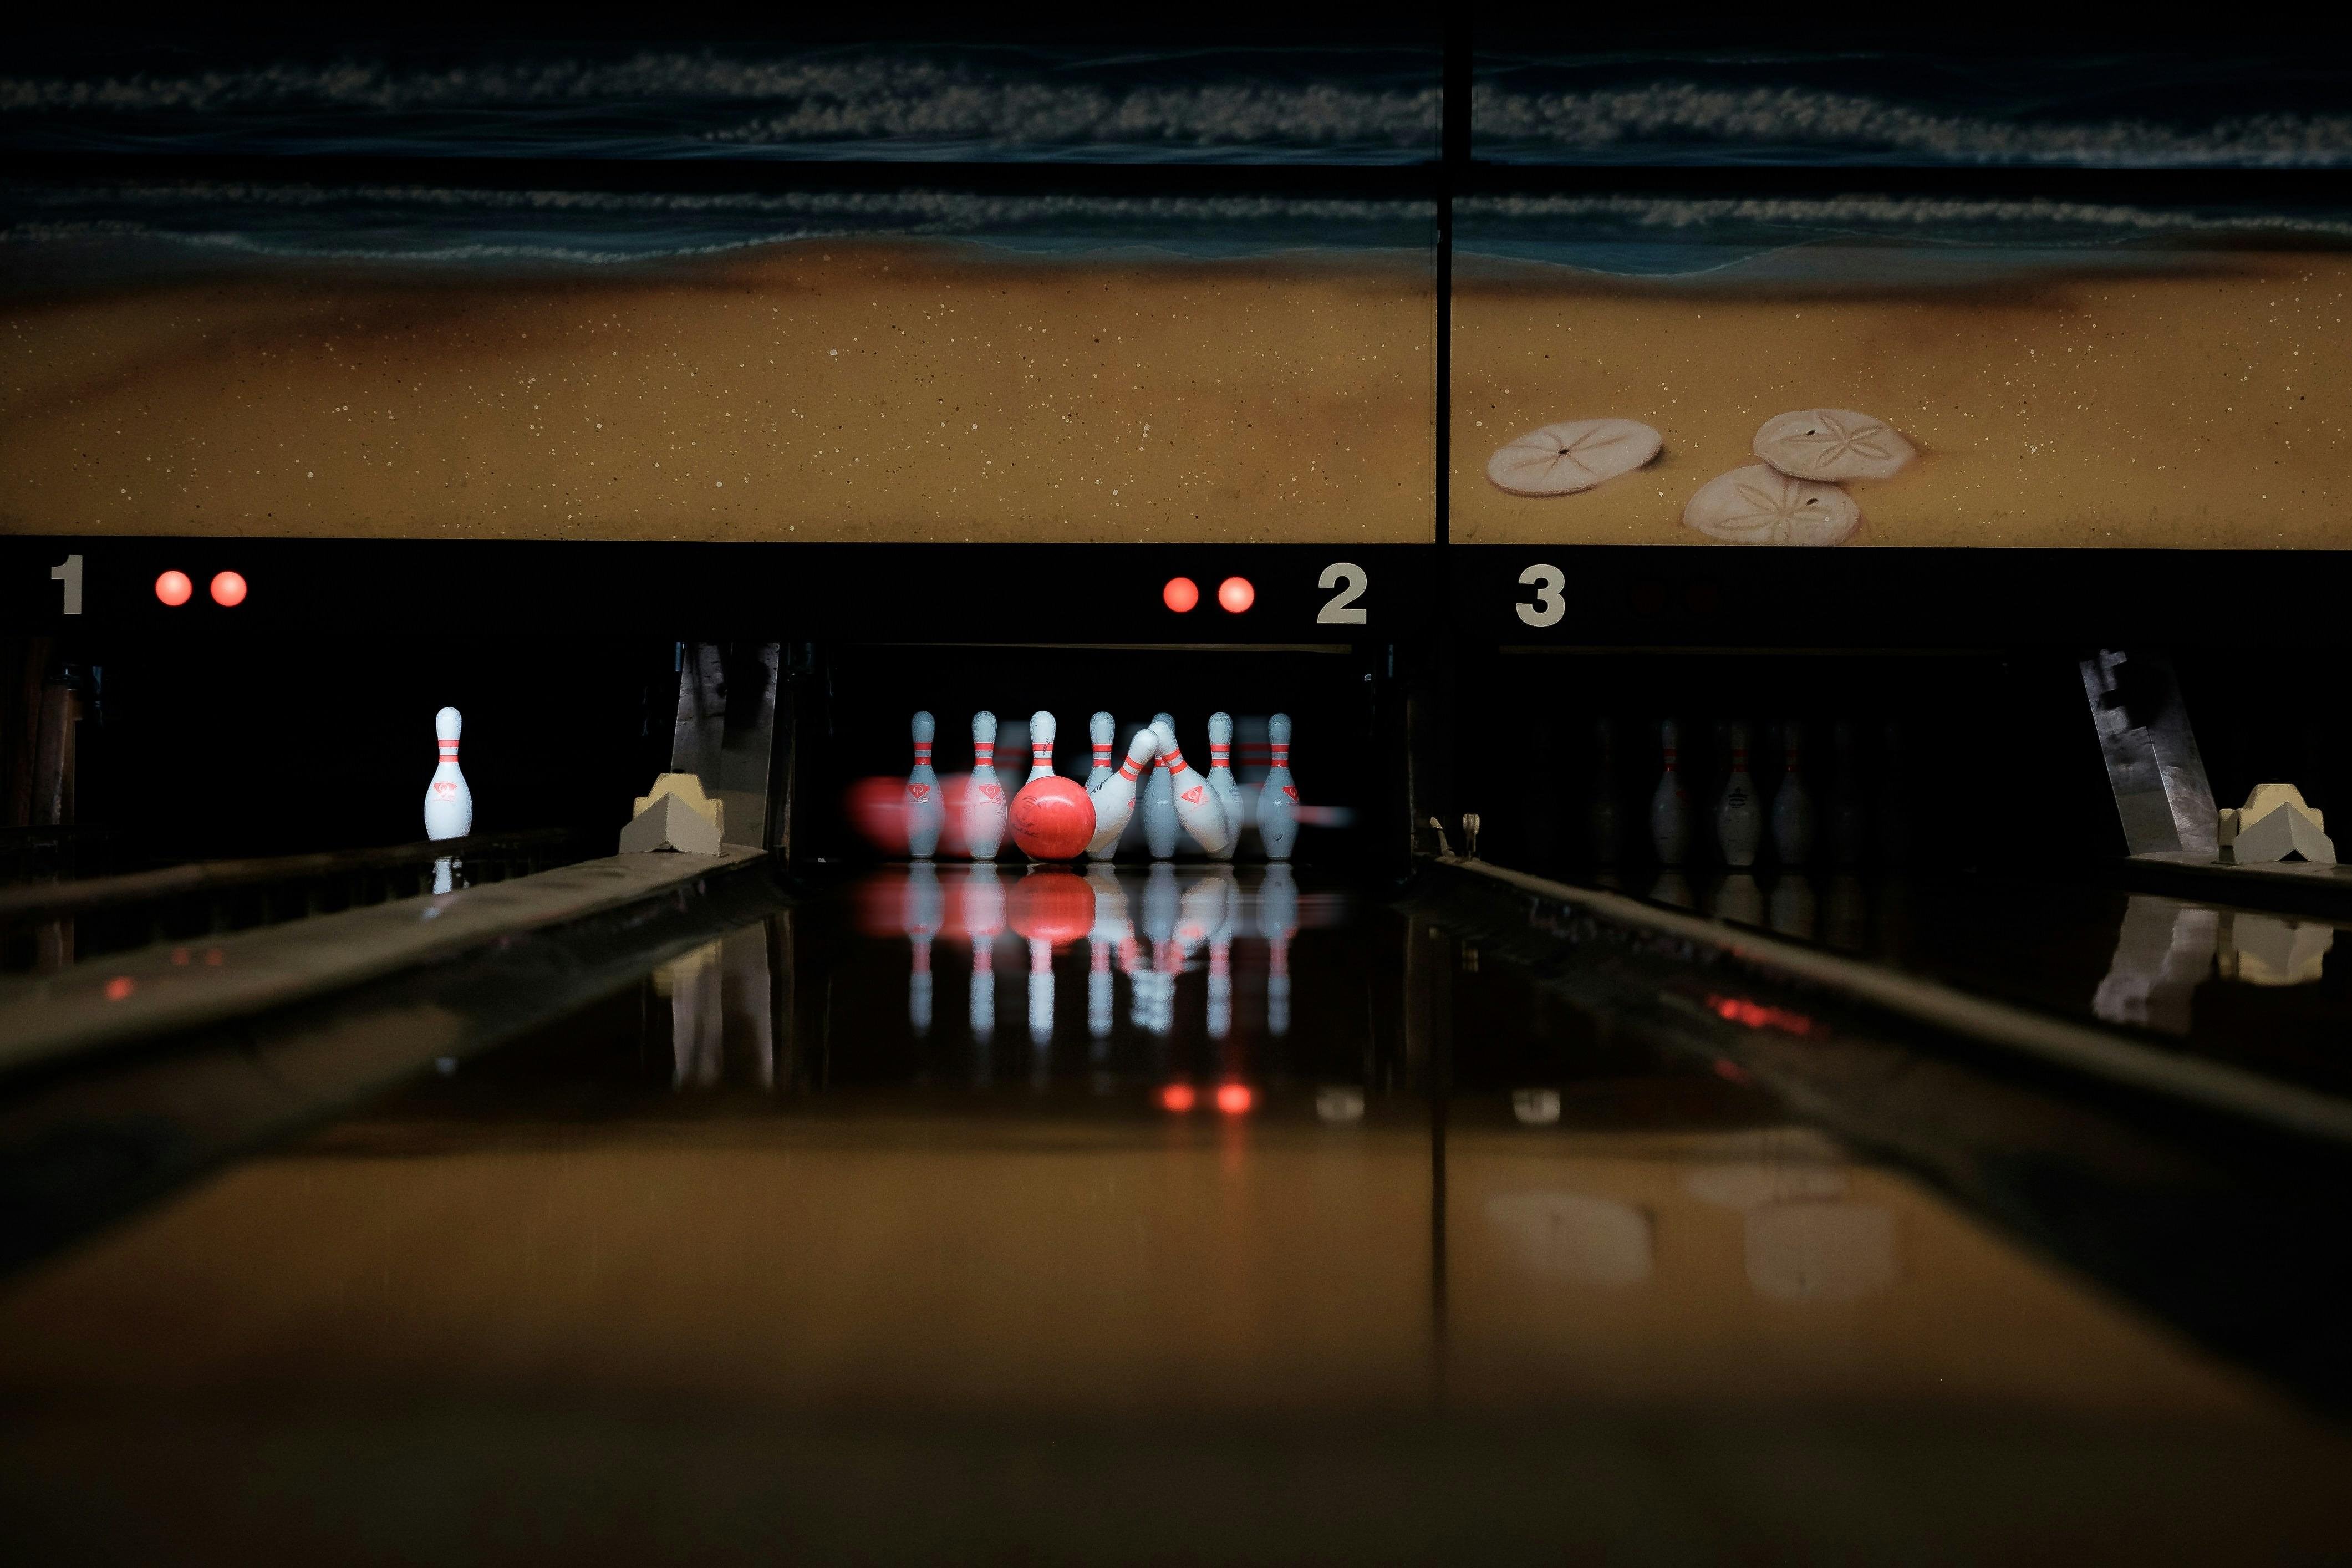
{"x":669,"y":823}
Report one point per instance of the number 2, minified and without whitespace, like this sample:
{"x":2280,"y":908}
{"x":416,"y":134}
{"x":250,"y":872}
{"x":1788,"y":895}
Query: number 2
{"x":1550,"y":606}
{"x":1349,"y":579}
{"x":68,"y":572}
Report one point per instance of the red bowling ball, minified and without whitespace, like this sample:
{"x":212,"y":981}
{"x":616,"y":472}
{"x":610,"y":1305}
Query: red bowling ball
{"x":1053,"y":818}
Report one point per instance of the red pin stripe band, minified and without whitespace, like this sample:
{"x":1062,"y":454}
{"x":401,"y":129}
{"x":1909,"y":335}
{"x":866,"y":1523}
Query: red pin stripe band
{"x":983,"y":751}
{"x":448,"y":751}
{"x":1040,"y":753}
{"x":922,"y":751}
{"x":1174,"y":759}
{"x":1130,"y":768}
{"x":1282,"y":756}
{"x":1217,"y":755}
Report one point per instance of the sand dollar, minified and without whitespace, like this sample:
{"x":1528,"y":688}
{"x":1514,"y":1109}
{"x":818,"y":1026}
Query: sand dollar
{"x":1760,"y":505}
{"x":1574,"y":455}
{"x":1832,"y":444}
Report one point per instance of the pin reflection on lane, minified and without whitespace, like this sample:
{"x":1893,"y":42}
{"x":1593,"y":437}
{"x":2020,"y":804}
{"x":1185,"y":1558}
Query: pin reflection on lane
{"x":1235,"y":926}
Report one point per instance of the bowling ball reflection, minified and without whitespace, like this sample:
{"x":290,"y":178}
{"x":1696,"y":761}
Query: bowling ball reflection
{"x":1051,"y":905}
{"x":1053,"y":818}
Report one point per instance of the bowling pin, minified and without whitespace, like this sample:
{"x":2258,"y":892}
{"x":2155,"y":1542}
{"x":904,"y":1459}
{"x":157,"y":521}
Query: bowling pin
{"x":1160,"y":826}
{"x":1100,"y":728}
{"x":1041,"y":747}
{"x":1738,"y":820}
{"x":1222,"y":782}
{"x":1277,"y":798}
{"x":1198,"y":811}
{"x":925,"y":814}
{"x":1602,"y":819}
{"x":1041,"y":752}
{"x":1670,"y":803}
{"x":1849,"y":827}
{"x":448,"y":803}
{"x":1793,"y":805}
{"x":983,"y":910}
{"x":1278,"y":921}
{"x":985,"y":807}
{"x":920,"y":915}
{"x":1114,"y":798}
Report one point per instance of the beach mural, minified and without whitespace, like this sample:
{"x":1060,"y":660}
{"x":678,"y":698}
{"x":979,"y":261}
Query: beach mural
{"x":719,"y":350}
{"x":898,"y":366}
{"x":1884,"y":372}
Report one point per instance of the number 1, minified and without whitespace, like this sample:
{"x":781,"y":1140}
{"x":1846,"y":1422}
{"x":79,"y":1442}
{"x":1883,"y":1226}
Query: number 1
{"x":68,"y":572}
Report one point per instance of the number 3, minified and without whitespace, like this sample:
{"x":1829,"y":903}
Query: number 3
{"x":1349,"y":579}
{"x":1550,"y":606}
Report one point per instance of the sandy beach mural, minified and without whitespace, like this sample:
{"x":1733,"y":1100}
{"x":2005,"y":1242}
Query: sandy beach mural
{"x":910,"y":366}
{"x":1883,"y":372}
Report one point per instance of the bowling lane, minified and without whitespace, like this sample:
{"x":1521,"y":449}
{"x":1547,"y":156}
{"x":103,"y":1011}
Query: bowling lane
{"x":1197,"y":1165}
{"x":2266,"y":990}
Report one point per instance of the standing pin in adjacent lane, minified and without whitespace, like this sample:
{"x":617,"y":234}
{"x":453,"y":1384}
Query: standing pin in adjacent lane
{"x":1793,"y":805}
{"x":1738,"y":820}
{"x":1160,"y":829}
{"x":1277,"y":798}
{"x":1221,"y":783}
{"x":924,"y":814}
{"x":1601,"y":815}
{"x":985,"y":807}
{"x":1197,"y":810}
{"x":1670,"y":803}
{"x":448,"y":803}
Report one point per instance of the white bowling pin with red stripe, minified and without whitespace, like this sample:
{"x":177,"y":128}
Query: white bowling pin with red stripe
{"x":1277,"y":798}
{"x":1198,"y":811}
{"x":1222,"y":782}
{"x":1158,"y":804}
{"x":448,"y":803}
{"x":984,"y":806}
{"x":1041,"y":747}
{"x":1102,"y":728}
{"x":1114,"y":798}
{"x":924,"y":814}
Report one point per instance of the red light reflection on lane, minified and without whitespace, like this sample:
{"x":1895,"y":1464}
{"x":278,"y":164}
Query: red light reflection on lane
{"x":1181,"y":594}
{"x":1236,"y":595}
{"x":1235,"y":1098}
{"x":1176,"y":1097}
{"x":175,"y":589}
{"x":121,"y":986}
{"x":228,"y":590}
{"x":1757,"y":1015}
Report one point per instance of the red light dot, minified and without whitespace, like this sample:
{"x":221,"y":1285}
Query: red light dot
{"x":119,"y":987}
{"x":1234,"y":1098}
{"x":1236,"y":595}
{"x":228,"y":590}
{"x":1177,"y":1097}
{"x":1181,"y":594}
{"x":175,"y":589}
